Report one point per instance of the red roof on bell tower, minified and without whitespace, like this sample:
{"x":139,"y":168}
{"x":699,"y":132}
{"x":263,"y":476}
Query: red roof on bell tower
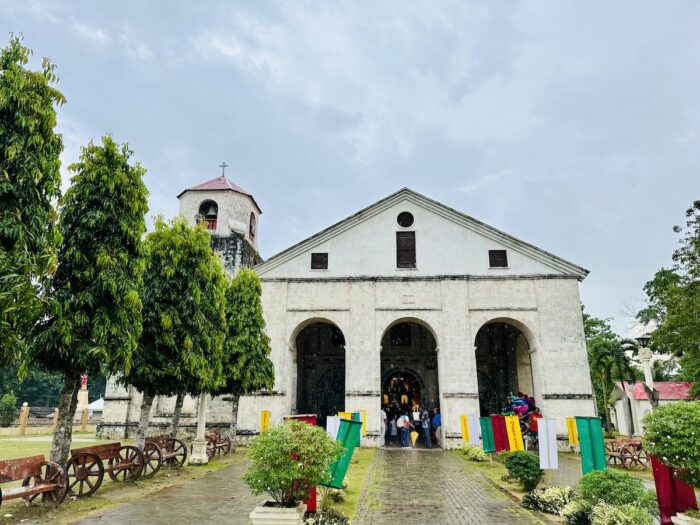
{"x":221,"y":183}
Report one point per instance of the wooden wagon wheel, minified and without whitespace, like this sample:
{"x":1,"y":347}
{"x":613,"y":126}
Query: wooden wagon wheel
{"x":226,"y":444}
{"x":51,"y":473}
{"x":211,"y":449}
{"x":152,"y":459}
{"x":85,"y":474}
{"x":126,"y":454}
{"x":612,"y":454}
{"x":627,"y":454}
{"x":177,"y":447}
{"x":637,"y":458}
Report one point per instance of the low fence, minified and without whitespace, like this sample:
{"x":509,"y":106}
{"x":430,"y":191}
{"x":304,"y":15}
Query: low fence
{"x":42,"y":420}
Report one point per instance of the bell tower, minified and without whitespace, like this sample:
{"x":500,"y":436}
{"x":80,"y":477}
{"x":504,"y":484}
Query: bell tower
{"x":231,"y":216}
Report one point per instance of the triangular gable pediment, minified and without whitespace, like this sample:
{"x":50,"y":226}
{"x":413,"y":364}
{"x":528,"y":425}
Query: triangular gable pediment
{"x":548,"y":263}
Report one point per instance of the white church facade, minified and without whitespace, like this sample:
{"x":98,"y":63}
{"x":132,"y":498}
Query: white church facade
{"x":406,"y":301}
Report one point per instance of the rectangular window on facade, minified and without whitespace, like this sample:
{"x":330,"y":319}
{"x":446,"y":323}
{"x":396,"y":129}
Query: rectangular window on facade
{"x":498,"y":258}
{"x":319,"y":261}
{"x":405,"y":249}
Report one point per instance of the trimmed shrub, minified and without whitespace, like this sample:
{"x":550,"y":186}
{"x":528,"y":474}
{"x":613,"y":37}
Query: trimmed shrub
{"x":578,"y":512}
{"x":616,"y":488}
{"x":605,"y":514}
{"x":474,"y":453}
{"x":551,"y":500}
{"x":672,"y":434}
{"x":290,"y":458}
{"x":8,"y":409}
{"x":525,"y":468}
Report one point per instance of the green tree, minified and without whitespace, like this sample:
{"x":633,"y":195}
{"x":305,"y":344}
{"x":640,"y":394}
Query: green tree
{"x":184,"y":299}
{"x":247,"y":366}
{"x":674,"y":300}
{"x":95,"y":312}
{"x":29,"y":187}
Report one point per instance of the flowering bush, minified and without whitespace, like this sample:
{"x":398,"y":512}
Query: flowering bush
{"x":524,"y":467}
{"x":605,"y":514}
{"x":551,"y":500}
{"x":290,"y":458}
{"x":578,"y":512}
{"x":672,"y":434}
{"x":474,"y":453}
{"x":327,"y":517}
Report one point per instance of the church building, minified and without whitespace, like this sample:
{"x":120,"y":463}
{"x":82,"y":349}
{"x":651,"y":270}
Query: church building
{"x":405,"y":302}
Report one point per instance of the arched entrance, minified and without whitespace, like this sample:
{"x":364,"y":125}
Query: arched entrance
{"x":320,"y":370}
{"x":502,"y":364}
{"x":409,"y":369}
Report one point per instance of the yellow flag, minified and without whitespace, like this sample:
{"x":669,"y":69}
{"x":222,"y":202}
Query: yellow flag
{"x":264,"y":421}
{"x":345,"y":415}
{"x":364,"y":422}
{"x":573,"y":432}
{"x":515,"y":436}
{"x":465,"y":428}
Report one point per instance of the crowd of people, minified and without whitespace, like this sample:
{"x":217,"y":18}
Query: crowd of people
{"x":411,"y":428}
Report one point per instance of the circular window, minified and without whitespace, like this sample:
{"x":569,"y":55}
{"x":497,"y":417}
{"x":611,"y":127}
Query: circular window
{"x":405,"y":219}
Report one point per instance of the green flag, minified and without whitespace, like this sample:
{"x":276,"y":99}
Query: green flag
{"x":487,"y":441}
{"x":590,"y":437}
{"x":348,"y":435}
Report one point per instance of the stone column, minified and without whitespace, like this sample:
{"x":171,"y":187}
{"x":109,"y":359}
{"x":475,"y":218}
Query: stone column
{"x":199,"y":445}
{"x":645,"y":358}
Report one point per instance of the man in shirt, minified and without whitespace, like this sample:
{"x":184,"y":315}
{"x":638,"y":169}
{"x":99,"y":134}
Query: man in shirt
{"x":437,"y":425}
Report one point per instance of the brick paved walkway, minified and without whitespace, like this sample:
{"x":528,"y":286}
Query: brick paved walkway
{"x":433,"y":488}
{"x":219,"y":497}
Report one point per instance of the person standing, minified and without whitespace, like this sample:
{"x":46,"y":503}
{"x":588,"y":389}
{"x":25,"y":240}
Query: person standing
{"x":425,"y":424}
{"x":382,"y":427}
{"x":394,"y":429}
{"x":404,"y":425}
{"x":437,"y":425}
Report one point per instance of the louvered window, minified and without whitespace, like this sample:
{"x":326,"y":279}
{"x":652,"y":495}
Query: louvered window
{"x":405,"y":249}
{"x":498,"y":258}
{"x":319,"y":261}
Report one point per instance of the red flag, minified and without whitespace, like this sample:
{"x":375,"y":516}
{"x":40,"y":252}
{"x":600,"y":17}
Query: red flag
{"x":673,"y":494}
{"x":500,"y":433}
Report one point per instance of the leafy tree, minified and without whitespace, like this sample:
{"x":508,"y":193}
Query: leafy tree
{"x":247,"y":366}
{"x":184,"y":300}
{"x":95,"y":312}
{"x":674,"y":300}
{"x":29,"y":186}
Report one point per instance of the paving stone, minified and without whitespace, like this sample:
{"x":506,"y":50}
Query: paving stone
{"x":433,"y":487}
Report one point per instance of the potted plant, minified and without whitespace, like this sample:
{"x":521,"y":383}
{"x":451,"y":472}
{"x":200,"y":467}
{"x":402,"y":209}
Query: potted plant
{"x":285,"y":462}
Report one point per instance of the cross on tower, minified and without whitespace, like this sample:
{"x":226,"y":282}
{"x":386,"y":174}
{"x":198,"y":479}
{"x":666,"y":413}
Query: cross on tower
{"x":223,"y":167}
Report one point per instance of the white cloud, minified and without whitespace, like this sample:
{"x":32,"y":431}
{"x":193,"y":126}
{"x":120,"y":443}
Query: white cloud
{"x":93,"y":34}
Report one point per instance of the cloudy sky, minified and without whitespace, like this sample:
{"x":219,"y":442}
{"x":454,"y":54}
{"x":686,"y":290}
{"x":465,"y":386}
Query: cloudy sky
{"x":572,"y":125}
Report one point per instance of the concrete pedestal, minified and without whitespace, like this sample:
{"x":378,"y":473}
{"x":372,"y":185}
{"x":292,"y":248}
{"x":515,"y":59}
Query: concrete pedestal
{"x":199,"y":453}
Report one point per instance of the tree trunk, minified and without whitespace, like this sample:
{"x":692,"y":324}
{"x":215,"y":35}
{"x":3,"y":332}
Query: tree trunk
{"x":146,"y":404}
{"x":235,"y":398}
{"x":176,"y":414}
{"x":62,"y":437}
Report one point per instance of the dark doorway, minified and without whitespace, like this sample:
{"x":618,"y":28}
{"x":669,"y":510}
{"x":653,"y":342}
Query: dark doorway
{"x":320,"y":371}
{"x":502,"y":365}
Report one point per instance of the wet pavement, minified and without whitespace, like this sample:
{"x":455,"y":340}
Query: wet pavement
{"x":403,"y":486}
{"x":434,"y":487}
{"x":216,"y":498}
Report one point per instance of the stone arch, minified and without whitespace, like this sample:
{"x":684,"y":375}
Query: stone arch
{"x":319,"y":346}
{"x":503,"y":352}
{"x":409,"y":347}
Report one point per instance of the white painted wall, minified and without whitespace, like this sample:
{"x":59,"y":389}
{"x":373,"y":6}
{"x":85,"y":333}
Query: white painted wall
{"x":443,"y":247}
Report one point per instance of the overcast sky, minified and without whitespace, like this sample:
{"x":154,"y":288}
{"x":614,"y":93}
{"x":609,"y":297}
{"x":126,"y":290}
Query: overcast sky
{"x":571,"y":125}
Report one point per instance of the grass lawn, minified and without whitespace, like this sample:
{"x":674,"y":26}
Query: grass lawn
{"x":355,"y":478}
{"x":109,"y":495}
